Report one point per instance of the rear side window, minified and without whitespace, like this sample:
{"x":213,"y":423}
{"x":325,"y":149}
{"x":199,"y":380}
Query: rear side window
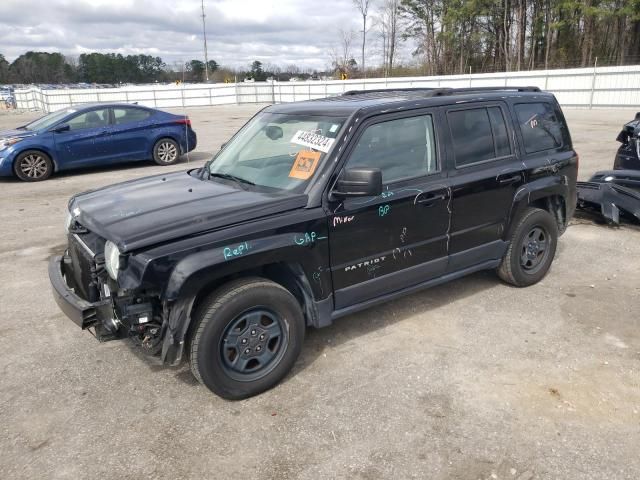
{"x":541,"y":129}
{"x":479,"y":134}
{"x":128,"y":115}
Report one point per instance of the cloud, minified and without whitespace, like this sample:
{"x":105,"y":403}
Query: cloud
{"x":281,"y":32}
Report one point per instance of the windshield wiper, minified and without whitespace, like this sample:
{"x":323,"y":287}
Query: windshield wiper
{"x":228,"y":176}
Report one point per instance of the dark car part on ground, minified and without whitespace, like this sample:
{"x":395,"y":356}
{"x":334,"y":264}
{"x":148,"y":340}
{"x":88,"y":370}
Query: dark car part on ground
{"x":628,"y":156}
{"x":611,"y":192}
{"x":315,"y":210}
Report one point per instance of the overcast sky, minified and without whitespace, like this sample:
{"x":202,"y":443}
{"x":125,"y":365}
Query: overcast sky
{"x":279,"y":32}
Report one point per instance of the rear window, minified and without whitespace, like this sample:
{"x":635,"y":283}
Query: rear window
{"x":541,"y":129}
{"x":479,"y":134}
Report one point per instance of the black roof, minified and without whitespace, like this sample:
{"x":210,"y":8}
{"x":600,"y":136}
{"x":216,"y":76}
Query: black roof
{"x":382,"y":99}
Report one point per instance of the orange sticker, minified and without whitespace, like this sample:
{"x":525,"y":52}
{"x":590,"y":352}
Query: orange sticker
{"x":305,"y":164}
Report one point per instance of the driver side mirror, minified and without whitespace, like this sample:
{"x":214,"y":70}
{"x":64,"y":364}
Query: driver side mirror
{"x":62,"y":128}
{"x":359,"y":182}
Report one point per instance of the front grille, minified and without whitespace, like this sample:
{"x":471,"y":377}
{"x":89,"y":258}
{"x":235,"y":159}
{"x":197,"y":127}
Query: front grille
{"x":83,"y":268}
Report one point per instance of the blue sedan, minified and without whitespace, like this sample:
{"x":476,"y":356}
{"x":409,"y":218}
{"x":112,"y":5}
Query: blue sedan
{"x":94,"y":135}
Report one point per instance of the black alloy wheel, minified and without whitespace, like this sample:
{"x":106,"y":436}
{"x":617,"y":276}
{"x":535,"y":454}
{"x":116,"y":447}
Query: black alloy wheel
{"x":252,"y":344}
{"x":245,"y":337}
{"x":532,"y":247}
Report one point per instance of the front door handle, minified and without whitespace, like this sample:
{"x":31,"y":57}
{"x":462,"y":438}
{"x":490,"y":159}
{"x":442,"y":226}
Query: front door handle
{"x":510,"y":179}
{"x":429,"y":199}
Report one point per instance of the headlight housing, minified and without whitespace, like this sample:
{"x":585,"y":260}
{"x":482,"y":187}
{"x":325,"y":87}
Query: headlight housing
{"x":112,"y":259}
{"x":7,"y":142}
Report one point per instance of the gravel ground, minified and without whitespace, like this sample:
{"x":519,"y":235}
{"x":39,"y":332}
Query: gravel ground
{"x":469,"y":380}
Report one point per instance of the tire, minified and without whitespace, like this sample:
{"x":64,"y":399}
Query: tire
{"x":236,"y":322}
{"x":33,"y":166}
{"x":166,"y":151}
{"x":532,"y":249}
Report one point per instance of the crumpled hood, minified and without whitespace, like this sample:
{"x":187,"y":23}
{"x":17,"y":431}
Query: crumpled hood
{"x":143,"y":212}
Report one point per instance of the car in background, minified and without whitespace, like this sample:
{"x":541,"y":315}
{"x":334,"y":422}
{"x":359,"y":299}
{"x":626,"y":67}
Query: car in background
{"x":94,"y":135}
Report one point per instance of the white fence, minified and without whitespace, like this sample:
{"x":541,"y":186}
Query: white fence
{"x":579,"y":87}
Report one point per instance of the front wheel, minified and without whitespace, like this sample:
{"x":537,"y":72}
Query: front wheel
{"x":247,"y":336}
{"x":33,"y":166}
{"x":166,"y":151}
{"x":532,"y":249}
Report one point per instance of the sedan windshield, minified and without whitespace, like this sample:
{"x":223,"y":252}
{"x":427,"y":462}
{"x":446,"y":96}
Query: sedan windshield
{"x":49,"y":120}
{"x":277,"y":150}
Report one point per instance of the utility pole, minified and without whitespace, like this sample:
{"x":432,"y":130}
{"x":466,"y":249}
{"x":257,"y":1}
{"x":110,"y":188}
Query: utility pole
{"x":204,"y":35}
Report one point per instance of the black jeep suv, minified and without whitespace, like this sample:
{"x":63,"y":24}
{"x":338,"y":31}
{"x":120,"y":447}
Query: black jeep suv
{"x":315,"y":210}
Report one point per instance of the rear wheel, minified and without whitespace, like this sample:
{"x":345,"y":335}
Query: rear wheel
{"x":33,"y":166}
{"x":247,"y":336}
{"x":166,"y":151}
{"x":532,"y":249}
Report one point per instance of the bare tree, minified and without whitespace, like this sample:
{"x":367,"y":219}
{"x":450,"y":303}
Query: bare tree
{"x":341,"y":55}
{"x":389,"y":23}
{"x":363,"y":8}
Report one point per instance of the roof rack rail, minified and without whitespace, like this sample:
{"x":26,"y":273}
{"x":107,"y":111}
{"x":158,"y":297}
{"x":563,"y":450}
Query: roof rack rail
{"x":385,"y":90}
{"x":441,"y":92}
{"x":496,"y":89}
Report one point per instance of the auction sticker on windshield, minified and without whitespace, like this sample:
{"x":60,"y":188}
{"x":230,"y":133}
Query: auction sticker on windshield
{"x":313,"y":140}
{"x":305,"y":164}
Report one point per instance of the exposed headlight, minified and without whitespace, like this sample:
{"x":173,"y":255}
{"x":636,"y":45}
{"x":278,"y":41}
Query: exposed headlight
{"x":7,"y":142}
{"x":111,"y":259}
{"x":68,"y":221}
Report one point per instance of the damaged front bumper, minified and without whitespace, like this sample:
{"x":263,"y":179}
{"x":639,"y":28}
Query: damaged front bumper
{"x":135,"y":320}
{"x":81,"y":312}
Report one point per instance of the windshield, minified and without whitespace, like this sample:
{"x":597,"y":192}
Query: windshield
{"x":277,"y":150}
{"x":49,"y":120}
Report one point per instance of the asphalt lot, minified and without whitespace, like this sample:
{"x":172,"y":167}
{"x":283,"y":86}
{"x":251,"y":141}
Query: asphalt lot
{"x":470,"y":380}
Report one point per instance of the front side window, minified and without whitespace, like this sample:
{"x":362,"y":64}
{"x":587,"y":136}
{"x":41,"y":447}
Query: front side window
{"x":402,"y":148}
{"x":540,"y":127}
{"x":478,"y":134}
{"x":91,"y":119}
{"x":129,"y":115}
{"x":278,"y":151}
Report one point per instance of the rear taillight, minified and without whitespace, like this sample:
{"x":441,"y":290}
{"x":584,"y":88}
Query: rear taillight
{"x":184,"y":121}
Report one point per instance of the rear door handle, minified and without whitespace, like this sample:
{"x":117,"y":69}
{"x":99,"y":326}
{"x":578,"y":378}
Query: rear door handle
{"x":510,"y":179}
